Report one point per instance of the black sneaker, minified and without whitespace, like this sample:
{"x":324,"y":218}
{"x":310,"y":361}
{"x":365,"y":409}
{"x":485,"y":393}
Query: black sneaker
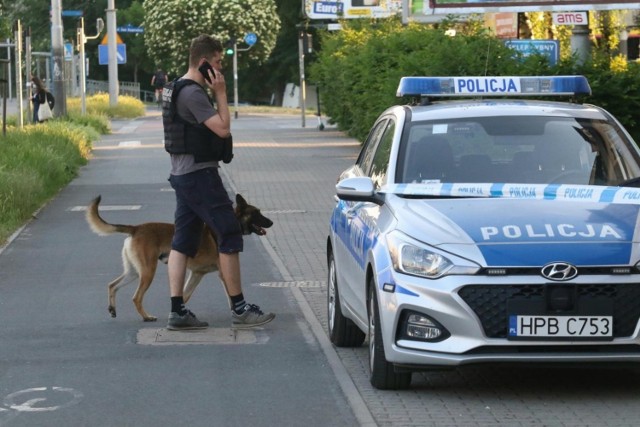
{"x":183,"y":323}
{"x":251,"y":316}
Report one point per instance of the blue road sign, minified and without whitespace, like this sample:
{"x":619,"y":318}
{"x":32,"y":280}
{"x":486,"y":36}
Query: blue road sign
{"x":130,"y":29}
{"x":76,"y":13}
{"x":103,"y":54}
{"x":251,"y":39}
{"x":68,"y":52}
{"x":548,"y":48}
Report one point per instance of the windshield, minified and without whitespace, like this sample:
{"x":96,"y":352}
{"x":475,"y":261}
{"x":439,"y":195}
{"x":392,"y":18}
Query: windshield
{"x":517,"y":149}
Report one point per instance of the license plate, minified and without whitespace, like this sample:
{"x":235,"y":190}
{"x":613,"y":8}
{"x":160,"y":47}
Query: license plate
{"x":561,"y":326}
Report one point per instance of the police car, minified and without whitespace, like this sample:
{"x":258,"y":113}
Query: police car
{"x":488,"y":230}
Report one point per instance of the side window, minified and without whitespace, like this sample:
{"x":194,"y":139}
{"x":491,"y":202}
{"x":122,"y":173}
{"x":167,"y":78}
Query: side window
{"x":366,"y":155}
{"x":380,"y":162}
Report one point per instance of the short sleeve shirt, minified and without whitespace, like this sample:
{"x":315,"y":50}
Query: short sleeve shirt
{"x":194,"y":106}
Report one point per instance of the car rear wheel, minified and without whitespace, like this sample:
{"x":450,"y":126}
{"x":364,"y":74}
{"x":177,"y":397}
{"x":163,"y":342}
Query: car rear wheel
{"x":342,"y":331}
{"x":383,"y":375}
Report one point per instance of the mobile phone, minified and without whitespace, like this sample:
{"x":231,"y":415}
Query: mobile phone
{"x":204,"y":70}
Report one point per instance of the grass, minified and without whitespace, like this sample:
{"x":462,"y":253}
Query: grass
{"x":39,"y":160}
{"x":35,"y":163}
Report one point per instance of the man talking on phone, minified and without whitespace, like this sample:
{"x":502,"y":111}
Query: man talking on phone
{"x":194,"y":133}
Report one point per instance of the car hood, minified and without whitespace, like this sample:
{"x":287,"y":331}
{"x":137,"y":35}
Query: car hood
{"x":523,"y":232}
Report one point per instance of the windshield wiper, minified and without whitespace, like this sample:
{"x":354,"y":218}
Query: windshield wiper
{"x":633,"y":182}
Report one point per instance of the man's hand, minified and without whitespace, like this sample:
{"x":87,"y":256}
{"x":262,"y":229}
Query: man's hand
{"x":216,"y":81}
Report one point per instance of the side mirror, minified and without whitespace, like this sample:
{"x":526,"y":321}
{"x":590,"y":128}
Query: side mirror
{"x":359,"y":189}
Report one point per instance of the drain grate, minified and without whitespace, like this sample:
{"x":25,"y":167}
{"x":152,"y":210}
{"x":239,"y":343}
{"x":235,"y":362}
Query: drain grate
{"x":296,"y":284}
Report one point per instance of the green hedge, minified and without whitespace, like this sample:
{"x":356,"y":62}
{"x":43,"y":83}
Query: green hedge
{"x":359,"y":67}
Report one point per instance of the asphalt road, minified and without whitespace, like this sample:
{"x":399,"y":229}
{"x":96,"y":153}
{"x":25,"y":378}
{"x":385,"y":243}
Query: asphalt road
{"x":65,"y":362}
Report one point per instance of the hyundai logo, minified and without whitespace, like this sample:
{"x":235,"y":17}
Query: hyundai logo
{"x":559,"y":271}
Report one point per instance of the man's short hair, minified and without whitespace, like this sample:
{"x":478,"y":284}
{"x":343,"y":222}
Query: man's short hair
{"x":203,"y":46}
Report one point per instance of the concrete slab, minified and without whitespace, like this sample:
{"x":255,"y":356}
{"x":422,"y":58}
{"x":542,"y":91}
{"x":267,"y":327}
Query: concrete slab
{"x":219,"y":336}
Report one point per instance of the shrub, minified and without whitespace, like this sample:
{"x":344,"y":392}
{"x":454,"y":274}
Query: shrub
{"x":127,"y":107}
{"x":359,"y":67}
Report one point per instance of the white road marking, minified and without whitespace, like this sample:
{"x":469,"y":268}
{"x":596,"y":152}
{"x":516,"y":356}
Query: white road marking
{"x":108,"y":208}
{"x":29,"y":405}
{"x":129,"y":144}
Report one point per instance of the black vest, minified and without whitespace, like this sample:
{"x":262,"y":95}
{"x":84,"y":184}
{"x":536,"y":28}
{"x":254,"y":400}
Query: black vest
{"x":182,"y":137}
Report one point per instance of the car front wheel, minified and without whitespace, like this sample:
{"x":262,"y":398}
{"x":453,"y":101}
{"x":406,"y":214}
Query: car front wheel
{"x":342,"y":331}
{"x":383,"y":375}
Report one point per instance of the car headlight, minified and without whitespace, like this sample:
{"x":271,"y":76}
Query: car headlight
{"x":412,"y":257}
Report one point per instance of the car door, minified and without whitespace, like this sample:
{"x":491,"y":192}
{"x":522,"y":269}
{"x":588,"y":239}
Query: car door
{"x":361,"y":220}
{"x":345,"y":257}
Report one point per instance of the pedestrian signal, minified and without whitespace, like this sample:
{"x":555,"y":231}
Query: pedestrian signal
{"x":229,"y":47}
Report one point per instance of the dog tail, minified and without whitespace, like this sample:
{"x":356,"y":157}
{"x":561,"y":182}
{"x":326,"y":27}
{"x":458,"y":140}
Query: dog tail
{"x":102,"y":227}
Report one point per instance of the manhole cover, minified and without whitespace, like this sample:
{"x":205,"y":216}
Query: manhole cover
{"x":162,"y":336}
{"x":297,"y":284}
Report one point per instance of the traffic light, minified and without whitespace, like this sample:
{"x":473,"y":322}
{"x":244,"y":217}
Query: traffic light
{"x":229,"y":46}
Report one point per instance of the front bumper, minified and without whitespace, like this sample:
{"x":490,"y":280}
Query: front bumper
{"x":473,"y":309}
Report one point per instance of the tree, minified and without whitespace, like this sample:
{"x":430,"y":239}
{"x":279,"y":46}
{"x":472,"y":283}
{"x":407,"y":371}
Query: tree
{"x":137,"y":56}
{"x":260,"y":81}
{"x":170,"y":25}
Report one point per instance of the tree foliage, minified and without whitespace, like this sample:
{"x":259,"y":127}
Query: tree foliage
{"x":137,"y":55}
{"x":359,"y":69}
{"x":170,"y":25}
{"x":258,"y":81}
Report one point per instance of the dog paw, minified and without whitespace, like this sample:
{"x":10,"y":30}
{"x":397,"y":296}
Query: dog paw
{"x":112,"y":311}
{"x":150,"y":319}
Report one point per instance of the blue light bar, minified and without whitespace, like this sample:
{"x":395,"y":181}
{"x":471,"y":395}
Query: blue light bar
{"x":494,"y":86}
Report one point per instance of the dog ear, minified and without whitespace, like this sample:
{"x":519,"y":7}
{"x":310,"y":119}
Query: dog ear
{"x":240,"y":201}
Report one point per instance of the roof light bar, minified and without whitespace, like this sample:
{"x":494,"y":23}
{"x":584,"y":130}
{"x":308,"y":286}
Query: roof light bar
{"x":494,"y":86}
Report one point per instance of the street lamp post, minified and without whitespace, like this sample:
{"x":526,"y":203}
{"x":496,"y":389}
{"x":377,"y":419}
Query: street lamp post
{"x":82,"y":39}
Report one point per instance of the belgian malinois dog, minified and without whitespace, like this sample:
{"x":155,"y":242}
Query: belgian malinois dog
{"x":150,"y":242}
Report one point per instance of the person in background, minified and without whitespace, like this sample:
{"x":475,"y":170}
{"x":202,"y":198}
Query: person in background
{"x":158,"y":81}
{"x":40,"y":96}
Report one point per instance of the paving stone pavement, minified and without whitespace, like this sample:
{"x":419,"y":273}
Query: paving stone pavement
{"x":290,"y":172}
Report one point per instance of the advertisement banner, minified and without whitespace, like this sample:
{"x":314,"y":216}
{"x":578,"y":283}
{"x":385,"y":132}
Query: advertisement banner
{"x":332,"y":10}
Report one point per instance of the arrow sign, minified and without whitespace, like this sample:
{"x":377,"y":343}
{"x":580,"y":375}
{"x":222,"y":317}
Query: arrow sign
{"x":251,"y":39}
{"x":103,"y":54}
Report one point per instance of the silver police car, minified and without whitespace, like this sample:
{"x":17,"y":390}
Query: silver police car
{"x":488,"y":230}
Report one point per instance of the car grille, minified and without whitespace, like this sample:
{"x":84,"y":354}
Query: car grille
{"x":489,"y":302}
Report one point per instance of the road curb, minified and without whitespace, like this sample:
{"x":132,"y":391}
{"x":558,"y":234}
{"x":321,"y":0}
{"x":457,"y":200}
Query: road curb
{"x":359,"y":407}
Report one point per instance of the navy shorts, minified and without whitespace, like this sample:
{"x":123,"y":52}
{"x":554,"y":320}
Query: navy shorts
{"x":202,"y":199}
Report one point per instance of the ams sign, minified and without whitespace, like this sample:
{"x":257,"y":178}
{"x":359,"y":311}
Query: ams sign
{"x":570,"y":18}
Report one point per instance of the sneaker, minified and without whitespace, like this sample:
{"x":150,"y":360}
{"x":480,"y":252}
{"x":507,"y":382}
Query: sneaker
{"x":187,"y":322}
{"x":250,"y":317}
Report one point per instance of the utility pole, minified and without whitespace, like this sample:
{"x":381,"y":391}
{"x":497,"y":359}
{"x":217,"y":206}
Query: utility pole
{"x":113,"y":53}
{"x":303,"y":94}
{"x":19,"y":91}
{"x":235,"y":79}
{"x":57,"y":48}
{"x":27,"y":60}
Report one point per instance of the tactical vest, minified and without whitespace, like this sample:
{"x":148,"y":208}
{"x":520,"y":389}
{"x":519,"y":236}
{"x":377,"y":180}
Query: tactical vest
{"x":182,"y":137}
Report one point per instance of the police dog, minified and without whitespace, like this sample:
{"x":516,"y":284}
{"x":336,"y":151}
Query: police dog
{"x":150,"y":242}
